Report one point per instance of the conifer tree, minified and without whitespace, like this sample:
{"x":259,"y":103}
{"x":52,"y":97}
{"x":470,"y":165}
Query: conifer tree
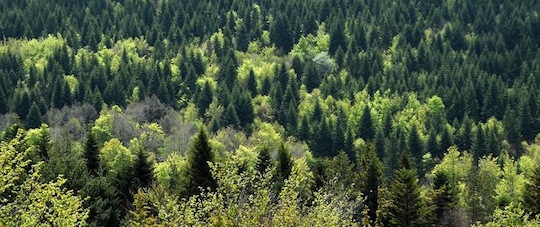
{"x":199,"y":173}
{"x":444,"y":197}
{"x":366,"y":127}
{"x":143,"y":170}
{"x":264,"y":160}
{"x":415,"y":144}
{"x":230,"y":118}
{"x":91,"y":153}
{"x":252,"y":83}
{"x":371,"y":173}
{"x":283,"y":166}
{"x":408,"y":208}
{"x":33,"y":119}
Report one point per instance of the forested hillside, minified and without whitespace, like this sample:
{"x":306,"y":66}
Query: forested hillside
{"x":270,"y":113}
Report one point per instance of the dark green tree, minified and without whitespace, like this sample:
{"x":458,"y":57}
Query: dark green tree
{"x":371,"y":173}
{"x":283,"y":166}
{"x":91,"y":153}
{"x":366,"y":127}
{"x":444,"y":197}
{"x":143,"y":170}
{"x":264,"y":160}
{"x":407,"y":208}
{"x":199,"y":173}
{"x":33,"y":118}
{"x":280,"y":34}
{"x":251,"y":84}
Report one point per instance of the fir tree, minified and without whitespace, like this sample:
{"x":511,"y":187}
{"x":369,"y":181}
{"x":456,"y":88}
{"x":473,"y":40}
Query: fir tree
{"x":199,"y":173}
{"x":408,"y":208}
{"x":91,"y":153}
{"x":33,"y":119}
{"x":143,"y":170}
{"x":444,"y":197}
{"x":264,"y":160}
{"x":283,"y":166}
{"x":371,"y":173}
{"x":366,"y":128}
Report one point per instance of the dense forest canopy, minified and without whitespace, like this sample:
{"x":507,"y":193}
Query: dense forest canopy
{"x":270,"y":113}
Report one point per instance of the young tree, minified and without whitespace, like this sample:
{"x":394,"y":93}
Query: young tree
{"x":200,"y":157}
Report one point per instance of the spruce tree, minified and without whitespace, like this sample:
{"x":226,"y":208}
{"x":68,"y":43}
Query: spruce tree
{"x":143,"y":170}
{"x":264,"y":160}
{"x":444,"y":197}
{"x":91,"y":153}
{"x":407,"y":209}
{"x":366,"y":128}
{"x":415,"y":144}
{"x":33,"y":118}
{"x":251,"y":83}
{"x":199,"y":173}
{"x":283,"y":166}
{"x":371,"y":172}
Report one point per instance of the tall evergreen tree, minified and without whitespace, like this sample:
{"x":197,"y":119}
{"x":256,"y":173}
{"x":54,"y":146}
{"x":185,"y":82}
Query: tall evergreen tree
{"x":264,"y":160}
{"x":143,"y":170}
{"x":33,"y":118}
{"x":283,"y":166}
{"x":280,"y":33}
{"x":408,"y":208}
{"x":371,"y":173}
{"x":444,"y":197}
{"x":199,"y":173}
{"x":91,"y":153}
{"x":366,"y":127}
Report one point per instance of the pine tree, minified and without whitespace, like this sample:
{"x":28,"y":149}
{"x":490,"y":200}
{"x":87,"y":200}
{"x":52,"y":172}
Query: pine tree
{"x":33,"y":119}
{"x":432,"y":146}
{"x":91,"y":153}
{"x":143,"y":170}
{"x":252,"y":83}
{"x":371,"y":173}
{"x":280,"y":34}
{"x":408,"y":208}
{"x":366,"y":128}
{"x":264,"y":160}
{"x":415,"y":144}
{"x":444,"y":197}
{"x":199,"y":173}
{"x":283,"y":166}
{"x":230,"y":118}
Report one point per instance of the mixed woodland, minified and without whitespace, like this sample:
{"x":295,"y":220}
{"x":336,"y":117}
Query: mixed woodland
{"x":269,"y":113}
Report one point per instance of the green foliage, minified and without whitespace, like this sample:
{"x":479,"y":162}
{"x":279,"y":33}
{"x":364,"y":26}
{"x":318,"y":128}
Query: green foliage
{"x":26,"y":200}
{"x":200,"y":157}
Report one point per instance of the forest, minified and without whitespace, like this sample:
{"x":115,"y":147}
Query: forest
{"x":270,"y":113}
